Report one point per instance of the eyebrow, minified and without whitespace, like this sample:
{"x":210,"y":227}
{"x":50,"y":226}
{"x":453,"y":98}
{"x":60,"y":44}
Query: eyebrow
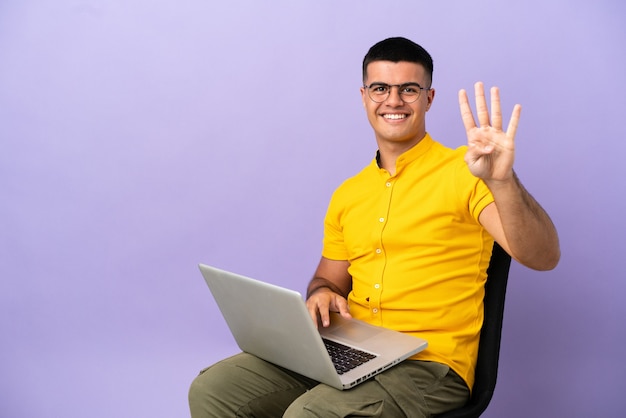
{"x":410,"y":83}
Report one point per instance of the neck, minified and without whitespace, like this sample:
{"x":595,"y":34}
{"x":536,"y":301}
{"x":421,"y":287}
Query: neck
{"x":389,"y":153}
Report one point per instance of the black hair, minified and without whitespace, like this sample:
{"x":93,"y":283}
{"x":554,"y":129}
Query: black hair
{"x":399,"y":49}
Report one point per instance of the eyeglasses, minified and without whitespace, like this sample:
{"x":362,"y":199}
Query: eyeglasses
{"x":409,"y":92}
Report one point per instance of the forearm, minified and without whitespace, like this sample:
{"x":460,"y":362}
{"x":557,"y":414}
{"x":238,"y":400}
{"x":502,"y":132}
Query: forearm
{"x":530,"y":234}
{"x":331,"y":274}
{"x":318,"y":283}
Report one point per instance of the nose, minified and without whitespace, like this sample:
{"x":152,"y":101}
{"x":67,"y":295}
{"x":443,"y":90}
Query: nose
{"x":394,"y":98}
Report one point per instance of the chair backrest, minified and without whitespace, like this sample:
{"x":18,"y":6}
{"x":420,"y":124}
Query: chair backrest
{"x":489,"y":348}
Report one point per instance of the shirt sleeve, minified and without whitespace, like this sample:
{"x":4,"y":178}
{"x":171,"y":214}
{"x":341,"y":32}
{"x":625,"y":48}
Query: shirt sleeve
{"x":334,"y":247}
{"x":471,"y":188}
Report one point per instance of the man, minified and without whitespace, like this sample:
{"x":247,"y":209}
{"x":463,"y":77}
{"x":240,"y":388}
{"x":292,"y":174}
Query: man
{"x":406,"y":245}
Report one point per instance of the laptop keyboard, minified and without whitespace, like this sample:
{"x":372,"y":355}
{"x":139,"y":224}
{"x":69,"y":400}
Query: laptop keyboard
{"x":346,"y":358}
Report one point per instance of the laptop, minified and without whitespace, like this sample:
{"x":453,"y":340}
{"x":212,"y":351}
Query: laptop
{"x":274,"y":324}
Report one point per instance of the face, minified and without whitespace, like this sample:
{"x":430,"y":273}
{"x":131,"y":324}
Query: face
{"x":393,"y":120}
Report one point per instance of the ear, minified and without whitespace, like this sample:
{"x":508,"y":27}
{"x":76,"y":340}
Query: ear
{"x":363,"y":95}
{"x":430,"y":97}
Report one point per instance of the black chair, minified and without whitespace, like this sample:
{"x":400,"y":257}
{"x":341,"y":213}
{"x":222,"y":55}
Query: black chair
{"x":489,"y":348}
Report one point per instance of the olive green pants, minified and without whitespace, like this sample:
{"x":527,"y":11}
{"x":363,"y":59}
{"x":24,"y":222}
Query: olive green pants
{"x":246,"y":386}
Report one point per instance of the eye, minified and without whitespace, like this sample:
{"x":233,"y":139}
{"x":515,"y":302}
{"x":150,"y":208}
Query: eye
{"x":379,"y":88}
{"x":410,"y":89}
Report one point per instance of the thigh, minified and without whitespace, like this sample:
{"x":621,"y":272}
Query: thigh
{"x":244,"y":386}
{"x":411,"y":389}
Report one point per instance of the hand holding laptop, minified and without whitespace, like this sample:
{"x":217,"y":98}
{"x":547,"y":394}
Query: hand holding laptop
{"x":328,"y":290}
{"x":322,"y":301}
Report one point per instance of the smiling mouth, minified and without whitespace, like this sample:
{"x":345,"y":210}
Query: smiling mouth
{"x":394,"y":116}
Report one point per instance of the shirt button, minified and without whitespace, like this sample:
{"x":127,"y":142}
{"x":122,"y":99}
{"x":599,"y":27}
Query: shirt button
{"x":376,"y":286}
{"x":381,"y":219}
{"x":378,"y":251}
{"x":375,"y":310}
{"x":388,"y":184}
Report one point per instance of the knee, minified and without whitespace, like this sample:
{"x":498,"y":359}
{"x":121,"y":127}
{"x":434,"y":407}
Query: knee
{"x":207,"y":396}
{"x":200,"y":395}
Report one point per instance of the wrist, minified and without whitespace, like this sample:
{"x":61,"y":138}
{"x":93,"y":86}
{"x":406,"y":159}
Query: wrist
{"x":315,"y":289}
{"x":508,"y":182}
{"x":318,"y":283}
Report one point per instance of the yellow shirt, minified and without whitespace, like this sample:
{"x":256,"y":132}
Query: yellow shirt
{"x":418,"y":255}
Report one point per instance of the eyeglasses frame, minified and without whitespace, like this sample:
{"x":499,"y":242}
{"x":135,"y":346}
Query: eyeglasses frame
{"x":400,"y":88}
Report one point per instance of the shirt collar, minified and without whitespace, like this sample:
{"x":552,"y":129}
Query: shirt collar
{"x":411,"y":154}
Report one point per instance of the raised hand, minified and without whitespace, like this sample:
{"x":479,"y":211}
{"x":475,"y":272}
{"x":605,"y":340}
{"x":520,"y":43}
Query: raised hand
{"x":491,"y":151}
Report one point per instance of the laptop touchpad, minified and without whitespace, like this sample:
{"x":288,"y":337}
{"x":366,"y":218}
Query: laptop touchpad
{"x":355,"y":331}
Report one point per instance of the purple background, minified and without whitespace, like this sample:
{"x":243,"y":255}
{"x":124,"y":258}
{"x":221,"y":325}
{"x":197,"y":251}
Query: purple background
{"x":141,"y":137}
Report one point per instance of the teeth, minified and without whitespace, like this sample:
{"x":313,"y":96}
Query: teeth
{"x":394,"y":116}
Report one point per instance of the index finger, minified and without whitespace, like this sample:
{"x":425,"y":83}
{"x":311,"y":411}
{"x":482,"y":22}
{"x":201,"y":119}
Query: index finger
{"x":319,"y":311}
{"x":466,"y":111}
